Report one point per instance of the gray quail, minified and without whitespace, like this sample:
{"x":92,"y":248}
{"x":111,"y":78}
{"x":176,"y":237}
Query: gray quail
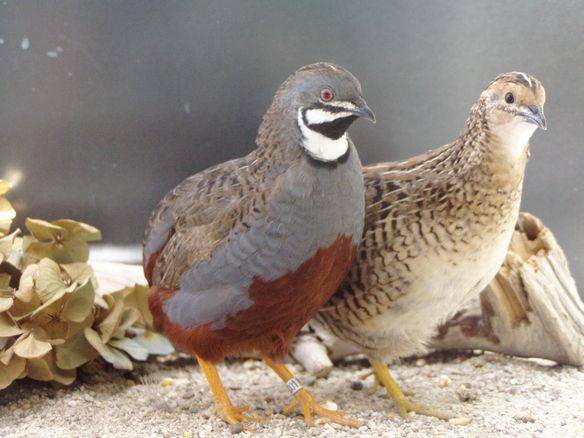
{"x":240,"y":256}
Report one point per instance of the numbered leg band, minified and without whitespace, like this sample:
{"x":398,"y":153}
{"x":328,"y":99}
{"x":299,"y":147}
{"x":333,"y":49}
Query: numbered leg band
{"x":294,"y":385}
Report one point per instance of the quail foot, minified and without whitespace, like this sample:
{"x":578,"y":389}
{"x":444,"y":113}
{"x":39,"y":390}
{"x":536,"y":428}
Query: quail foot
{"x":437,"y":228}
{"x":240,"y":256}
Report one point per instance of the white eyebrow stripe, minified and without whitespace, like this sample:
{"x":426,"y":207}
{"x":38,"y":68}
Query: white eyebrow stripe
{"x":319,"y":115}
{"x":527,"y":78}
{"x":345,"y":104}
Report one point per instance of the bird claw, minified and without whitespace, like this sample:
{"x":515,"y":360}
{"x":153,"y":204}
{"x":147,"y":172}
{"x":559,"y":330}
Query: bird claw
{"x":235,"y":415}
{"x":309,"y":406}
{"x":405,"y":407}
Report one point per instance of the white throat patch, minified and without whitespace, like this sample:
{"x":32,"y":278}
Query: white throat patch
{"x":515,"y":137}
{"x":319,"y":146}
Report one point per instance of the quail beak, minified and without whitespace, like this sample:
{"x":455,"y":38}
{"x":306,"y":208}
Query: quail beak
{"x":363,"y":111}
{"x":535,"y":115}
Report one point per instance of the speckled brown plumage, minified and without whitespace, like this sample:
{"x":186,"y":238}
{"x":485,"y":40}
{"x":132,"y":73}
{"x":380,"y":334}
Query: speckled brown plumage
{"x":437,"y":227}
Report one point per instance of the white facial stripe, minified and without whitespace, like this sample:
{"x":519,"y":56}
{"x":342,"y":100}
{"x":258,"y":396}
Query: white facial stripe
{"x":342,"y":104}
{"x":319,"y":146}
{"x":320,"y":115}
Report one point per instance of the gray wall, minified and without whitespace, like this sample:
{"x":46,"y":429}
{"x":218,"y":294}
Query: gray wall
{"x":102,"y":130}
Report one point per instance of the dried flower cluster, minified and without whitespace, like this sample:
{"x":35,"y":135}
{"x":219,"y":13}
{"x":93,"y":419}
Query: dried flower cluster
{"x":51,"y":319}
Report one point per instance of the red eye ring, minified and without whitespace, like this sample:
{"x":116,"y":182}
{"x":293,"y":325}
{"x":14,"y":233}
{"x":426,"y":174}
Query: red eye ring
{"x":326,"y":95}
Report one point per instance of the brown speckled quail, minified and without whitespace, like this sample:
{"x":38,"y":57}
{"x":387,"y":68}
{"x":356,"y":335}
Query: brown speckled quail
{"x":437,"y":229}
{"x":240,"y":256}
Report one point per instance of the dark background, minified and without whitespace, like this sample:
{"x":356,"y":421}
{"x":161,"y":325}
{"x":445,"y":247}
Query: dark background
{"x":115,"y":102}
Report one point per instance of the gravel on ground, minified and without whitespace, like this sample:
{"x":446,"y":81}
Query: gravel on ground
{"x":488,"y":394}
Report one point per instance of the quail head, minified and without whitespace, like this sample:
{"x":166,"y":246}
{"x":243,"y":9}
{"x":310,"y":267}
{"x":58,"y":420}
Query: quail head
{"x":240,"y":256}
{"x":437,"y":229}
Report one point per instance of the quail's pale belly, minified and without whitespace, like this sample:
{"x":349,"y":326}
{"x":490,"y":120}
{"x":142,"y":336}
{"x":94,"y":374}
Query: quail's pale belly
{"x":439,"y":284}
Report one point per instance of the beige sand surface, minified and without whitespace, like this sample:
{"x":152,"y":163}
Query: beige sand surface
{"x":501,"y":396}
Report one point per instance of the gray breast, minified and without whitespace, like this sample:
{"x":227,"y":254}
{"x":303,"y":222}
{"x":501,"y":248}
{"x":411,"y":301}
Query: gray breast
{"x":312,"y":205}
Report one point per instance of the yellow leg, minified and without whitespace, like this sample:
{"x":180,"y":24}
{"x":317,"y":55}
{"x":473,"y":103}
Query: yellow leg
{"x":402,"y":403}
{"x":304,"y":399}
{"x":223,"y":406}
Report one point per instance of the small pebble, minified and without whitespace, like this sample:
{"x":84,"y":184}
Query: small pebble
{"x":25,"y":405}
{"x":461,"y":421}
{"x":525,"y":418}
{"x":330,"y":405}
{"x":467,"y":394}
{"x":356,"y":385}
{"x":444,"y":381}
{"x":235,"y":428}
{"x":251,"y":364}
{"x":166,"y":382}
{"x":420,"y":362}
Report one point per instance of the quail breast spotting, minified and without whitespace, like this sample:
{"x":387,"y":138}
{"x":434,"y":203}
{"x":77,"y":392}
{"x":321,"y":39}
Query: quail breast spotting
{"x":240,"y":256}
{"x":437,"y":228}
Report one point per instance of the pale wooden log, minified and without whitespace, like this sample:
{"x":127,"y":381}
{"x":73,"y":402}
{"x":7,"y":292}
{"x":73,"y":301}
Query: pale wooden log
{"x":531,"y":308}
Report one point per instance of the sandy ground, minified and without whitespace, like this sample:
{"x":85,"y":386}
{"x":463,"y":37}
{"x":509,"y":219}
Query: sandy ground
{"x":500,"y":396}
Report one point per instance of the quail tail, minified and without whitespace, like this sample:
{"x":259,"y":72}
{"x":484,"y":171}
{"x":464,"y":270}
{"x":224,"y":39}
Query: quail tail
{"x":223,"y":406}
{"x":305,"y":401}
{"x":402,"y":403}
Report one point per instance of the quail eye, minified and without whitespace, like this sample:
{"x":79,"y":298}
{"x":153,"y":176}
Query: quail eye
{"x":509,"y":98}
{"x":326,"y":95}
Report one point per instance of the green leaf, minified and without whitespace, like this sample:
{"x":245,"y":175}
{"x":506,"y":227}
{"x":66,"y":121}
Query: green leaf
{"x":44,"y":230}
{"x":4,"y":186}
{"x":80,"y":230}
{"x":64,"y":377}
{"x":74,"y":250}
{"x":25,"y":292}
{"x":129,"y":317}
{"x":75,"y":352}
{"x":110,"y":324}
{"x":78,"y":272}
{"x":7,"y":215}
{"x":49,"y":281}
{"x":5,"y":303}
{"x":38,"y":369}
{"x":9,"y":373}
{"x":80,"y":303}
{"x":6,"y":245}
{"x":154,"y":342}
{"x":118,"y":359}
{"x":30,"y":347}
{"x":138,"y":299}
{"x":132,"y":348}
{"x":8,"y":327}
